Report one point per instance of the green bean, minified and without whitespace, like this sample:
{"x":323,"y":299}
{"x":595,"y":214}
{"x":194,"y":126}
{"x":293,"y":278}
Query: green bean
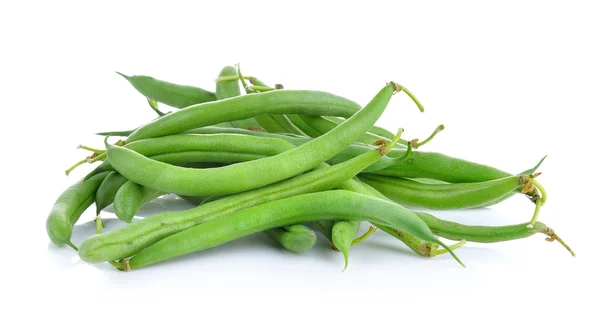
{"x":271,"y":122}
{"x":444,"y":196}
{"x":488,"y":234}
{"x":215,"y":148}
{"x":105,"y":195}
{"x":342,"y":235}
{"x":205,"y":156}
{"x":228,"y":89}
{"x":295,"y":238}
{"x":171,"y":94}
{"x":252,"y":174}
{"x":419,"y":246}
{"x":128,"y":240}
{"x":130,"y":198}
{"x":243,"y":107}
{"x":303,"y":126}
{"x":421,"y":164}
{"x":380,"y":131}
{"x":322,"y":126}
{"x":337,"y":204}
{"x":68,"y":208}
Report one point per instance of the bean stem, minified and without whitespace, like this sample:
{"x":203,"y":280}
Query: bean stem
{"x":154,"y":105}
{"x":93,"y":150}
{"x":413,"y":97}
{"x":99,"y":225}
{"x":437,"y":252}
{"x":233,"y":78}
{"x":416,"y":144}
{"x":553,"y":237}
{"x":260,"y":88}
{"x":69,"y":170}
{"x":366,"y":235}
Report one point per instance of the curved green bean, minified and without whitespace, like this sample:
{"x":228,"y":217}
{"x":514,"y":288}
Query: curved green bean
{"x":105,"y":195}
{"x":68,"y":208}
{"x":171,"y":94}
{"x":337,"y":204}
{"x":130,"y":198}
{"x":252,"y":174}
{"x":295,"y":238}
{"x":126,"y":241}
{"x":444,"y":196}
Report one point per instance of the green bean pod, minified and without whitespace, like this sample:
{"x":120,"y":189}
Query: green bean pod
{"x":337,"y":204}
{"x":171,"y":94}
{"x":444,"y":196}
{"x":68,"y":208}
{"x":380,"y":131}
{"x":420,"y":164}
{"x":295,"y":238}
{"x":130,"y":198}
{"x":126,"y":241}
{"x":342,"y":235}
{"x":228,"y":89}
{"x":105,"y":195}
{"x":247,"y":106}
{"x":322,"y":126}
{"x":252,"y":174}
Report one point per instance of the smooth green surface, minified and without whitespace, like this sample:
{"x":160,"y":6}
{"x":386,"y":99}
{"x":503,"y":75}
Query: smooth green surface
{"x":247,"y":106}
{"x":105,"y":195}
{"x":69,"y":206}
{"x":295,"y":238}
{"x":443,"y":196}
{"x":128,"y":240}
{"x":130,"y":198}
{"x":175,"y":95}
{"x":252,"y":174}
{"x":328,"y":205}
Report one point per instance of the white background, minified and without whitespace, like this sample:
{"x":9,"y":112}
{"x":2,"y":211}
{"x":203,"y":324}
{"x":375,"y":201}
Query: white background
{"x":512,"y":82}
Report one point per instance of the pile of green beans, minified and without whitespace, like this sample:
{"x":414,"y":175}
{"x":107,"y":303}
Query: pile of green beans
{"x":290,"y":164}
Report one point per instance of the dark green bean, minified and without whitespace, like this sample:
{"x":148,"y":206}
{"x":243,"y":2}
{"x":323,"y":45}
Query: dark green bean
{"x":444,"y":196}
{"x":130,"y":198}
{"x":186,"y":181}
{"x":126,"y":241}
{"x":68,"y":208}
{"x":105,"y":195}
{"x":171,"y":94}
{"x":295,"y":238}
{"x":337,"y":204}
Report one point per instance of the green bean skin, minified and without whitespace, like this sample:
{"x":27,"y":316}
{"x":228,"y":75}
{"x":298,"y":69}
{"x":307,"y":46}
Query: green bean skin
{"x":210,"y":142}
{"x":247,"y":106}
{"x":443,"y":196}
{"x":183,"y":157}
{"x":126,"y":241}
{"x":420,"y":164}
{"x":382,"y":132}
{"x":68,"y":208}
{"x":322,"y":125}
{"x":251,"y":174}
{"x":328,"y":205}
{"x":303,"y":126}
{"x":130,"y":198}
{"x":342,"y":235}
{"x":443,"y":167}
{"x":171,"y":94}
{"x":295,"y":238}
{"x":216,"y":147}
{"x":481,"y":234}
{"x":228,"y":89}
{"x":105,"y":195}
